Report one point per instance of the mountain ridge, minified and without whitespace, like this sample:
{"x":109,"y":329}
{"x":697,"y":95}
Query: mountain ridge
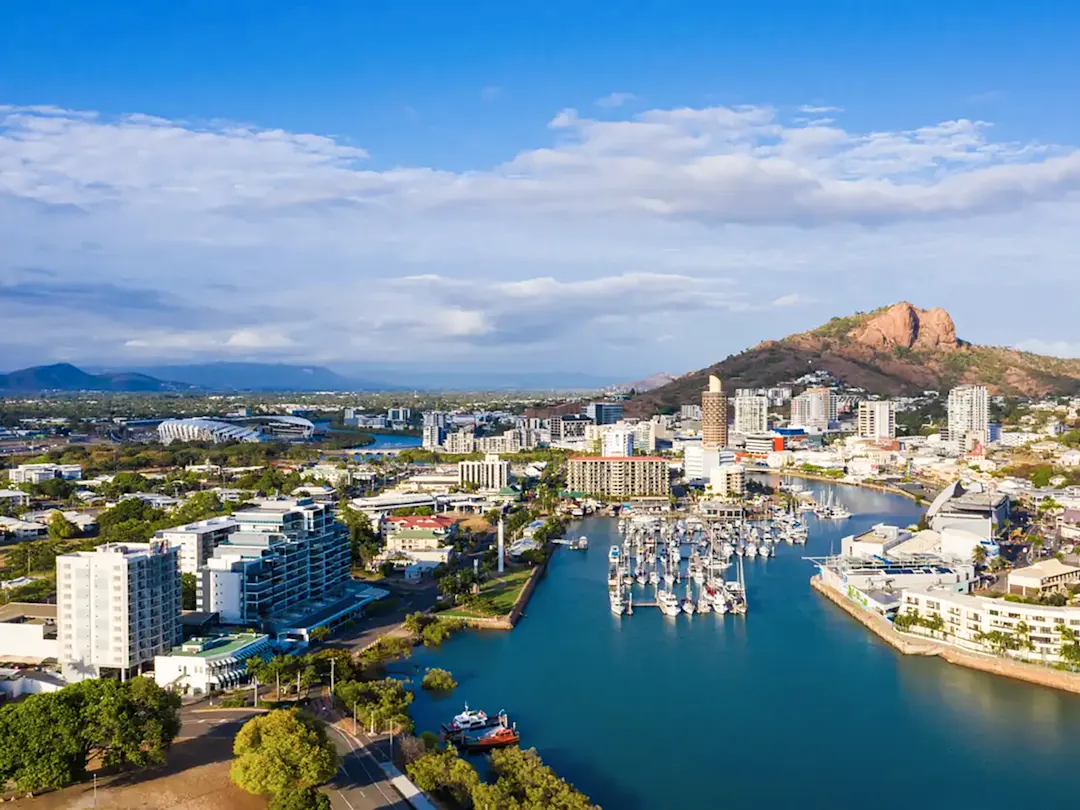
{"x":892,"y":351}
{"x":66,"y":377}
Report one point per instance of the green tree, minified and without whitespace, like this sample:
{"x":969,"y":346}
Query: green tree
{"x":303,"y":799}
{"x":445,"y":773}
{"x":41,"y":743}
{"x":438,"y":680}
{"x":524,"y":778}
{"x":383,"y":702}
{"x":60,"y":528}
{"x":187,"y":591}
{"x":320,"y":634}
{"x":131,"y":723}
{"x":282,"y":751}
{"x":978,"y":555}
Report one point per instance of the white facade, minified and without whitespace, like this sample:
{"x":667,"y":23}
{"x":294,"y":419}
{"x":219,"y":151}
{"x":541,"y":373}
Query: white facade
{"x":460,"y":442}
{"x":197,"y":541}
{"x":617,"y":440}
{"x":490,"y":474}
{"x":969,"y":413}
{"x":728,"y":480}
{"x":40,"y":473}
{"x":433,"y":436}
{"x":284,"y":552}
{"x":203,"y":665}
{"x":117,"y":607}
{"x":28,"y":633}
{"x":877,"y":420}
{"x":751,"y":414}
{"x":814,"y":408}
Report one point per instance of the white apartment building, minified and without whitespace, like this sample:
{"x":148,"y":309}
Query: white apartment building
{"x":992,"y":626}
{"x":969,"y":413}
{"x":284,"y":553}
{"x":460,"y":442}
{"x":645,"y":435}
{"x":197,"y":541}
{"x":40,"y":473}
{"x":433,"y":436}
{"x":490,"y":474}
{"x":619,"y":477}
{"x":877,"y":420}
{"x":814,"y":409}
{"x":751,"y":414}
{"x":699,"y":461}
{"x":200,"y":666}
{"x":118,"y":606}
{"x":617,"y":440}
{"x":690,"y":413}
{"x":728,"y":480}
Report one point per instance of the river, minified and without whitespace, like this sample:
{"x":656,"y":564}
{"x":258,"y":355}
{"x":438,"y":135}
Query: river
{"x":793,"y":705}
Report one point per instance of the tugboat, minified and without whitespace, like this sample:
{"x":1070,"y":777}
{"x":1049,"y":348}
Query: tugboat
{"x":498,"y":737}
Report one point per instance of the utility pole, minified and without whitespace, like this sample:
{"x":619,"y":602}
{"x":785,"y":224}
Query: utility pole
{"x":332,"y":662}
{"x":255,"y":689}
{"x":277,"y":675}
{"x":95,"y":791}
{"x":354,"y":719}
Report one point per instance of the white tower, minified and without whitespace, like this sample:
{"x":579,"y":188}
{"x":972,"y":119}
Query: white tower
{"x":502,"y":552}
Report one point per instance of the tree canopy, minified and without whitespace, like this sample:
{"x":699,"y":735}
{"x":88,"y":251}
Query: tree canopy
{"x":282,"y":751}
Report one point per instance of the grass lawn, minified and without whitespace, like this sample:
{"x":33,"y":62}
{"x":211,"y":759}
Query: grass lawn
{"x":497,"y":596}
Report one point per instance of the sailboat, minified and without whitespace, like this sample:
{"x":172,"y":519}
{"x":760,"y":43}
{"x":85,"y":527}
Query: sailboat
{"x":688,"y":602}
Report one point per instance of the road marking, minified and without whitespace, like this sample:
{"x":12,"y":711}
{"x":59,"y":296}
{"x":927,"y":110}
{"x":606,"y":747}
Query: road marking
{"x":342,"y":795}
{"x":364,"y":753}
{"x":201,"y":722}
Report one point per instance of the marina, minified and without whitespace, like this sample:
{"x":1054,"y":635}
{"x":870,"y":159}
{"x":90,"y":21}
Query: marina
{"x":795,"y":671}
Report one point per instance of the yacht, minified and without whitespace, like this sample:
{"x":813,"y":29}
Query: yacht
{"x":704,"y":604}
{"x":618,"y":601}
{"x":613,"y":554}
{"x":668,"y":603}
{"x":654,"y":578}
{"x":688,"y":602}
{"x":751,"y":550}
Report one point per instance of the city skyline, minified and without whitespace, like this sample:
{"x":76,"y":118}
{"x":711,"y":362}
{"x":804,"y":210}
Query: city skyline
{"x":495,"y":187}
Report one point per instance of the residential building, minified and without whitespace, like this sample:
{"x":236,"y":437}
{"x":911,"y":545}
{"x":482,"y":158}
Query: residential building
{"x":969,"y":414}
{"x":440,"y":527}
{"x":728,"y":480}
{"x":433,"y":437}
{"x":399,"y":415}
{"x":284,"y":554}
{"x":604,"y":413}
{"x":991,"y":626}
{"x":490,"y":474}
{"x":435,"y":419}
{"x":814,"y":409}
{"x":619,"y":477}
{"x":1042,"y":578}
{"x":751,"y":414}
{"x":714,"y":415}
{"x":40,"y":473}
{"x":460,"y":442}
{"x":567,"y":427}
{"x":617,"y":440}
{"x":691,"y":413}
{"x":877,"y":419}
{"x":645,"y":435}
{"x":19,"y":530}
{"x":201,"y":666}
{"x":197,"y":541}
{"x":117,"y":607}
{"x":764,"y":444}
{"x":15,"y":496}
{"x":700,"y":461}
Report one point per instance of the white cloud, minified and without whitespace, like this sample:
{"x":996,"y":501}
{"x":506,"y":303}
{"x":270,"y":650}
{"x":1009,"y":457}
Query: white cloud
{"x":612,"y":100}
{"x":694,"y":223}
{"x":817,"y":109}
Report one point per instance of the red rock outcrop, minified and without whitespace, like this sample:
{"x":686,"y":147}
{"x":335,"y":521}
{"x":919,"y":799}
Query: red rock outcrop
{"x":905,"y":326}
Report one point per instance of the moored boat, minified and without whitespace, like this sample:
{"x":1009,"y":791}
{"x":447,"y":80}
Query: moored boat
{"x":498,"y":737}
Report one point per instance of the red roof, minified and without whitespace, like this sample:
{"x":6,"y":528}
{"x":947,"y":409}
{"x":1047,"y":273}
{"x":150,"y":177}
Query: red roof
{"x":423,"y":521}
{"x":618,"y":458}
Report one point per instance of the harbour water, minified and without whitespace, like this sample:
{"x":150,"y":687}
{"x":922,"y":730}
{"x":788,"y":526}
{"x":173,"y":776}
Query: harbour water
{"x":793,"y":705}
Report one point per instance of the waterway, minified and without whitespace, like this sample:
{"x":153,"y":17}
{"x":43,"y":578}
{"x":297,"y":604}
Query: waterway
{"x":793,"y":705}
{"x":391,"y":441}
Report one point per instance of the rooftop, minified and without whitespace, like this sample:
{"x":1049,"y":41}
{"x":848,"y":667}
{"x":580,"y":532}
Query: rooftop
{"x":221,"y":646}
{"x":1045,"y":568}
{"x":27,"y":612}
{"x":619,"y":458}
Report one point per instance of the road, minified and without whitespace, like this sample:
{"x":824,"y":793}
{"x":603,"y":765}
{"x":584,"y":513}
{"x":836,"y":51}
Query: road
{"x":360,"y":783}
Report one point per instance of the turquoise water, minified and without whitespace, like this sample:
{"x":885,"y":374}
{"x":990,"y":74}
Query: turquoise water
{"x":390,"y":441}
{"x":793,"y":705}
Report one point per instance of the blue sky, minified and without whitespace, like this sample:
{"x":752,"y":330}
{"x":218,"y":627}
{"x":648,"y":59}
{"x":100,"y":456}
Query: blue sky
{"x":604,"y":187}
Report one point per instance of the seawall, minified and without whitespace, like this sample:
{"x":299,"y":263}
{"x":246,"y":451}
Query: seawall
{"x":827,"y":480}
{"x":908,"y":645}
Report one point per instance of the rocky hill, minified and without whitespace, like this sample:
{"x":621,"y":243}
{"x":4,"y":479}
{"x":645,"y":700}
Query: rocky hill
{"x":892,"y":351}
{"x":66,"y":377}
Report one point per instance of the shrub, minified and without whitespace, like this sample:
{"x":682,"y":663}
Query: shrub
{"x":438,"y":680}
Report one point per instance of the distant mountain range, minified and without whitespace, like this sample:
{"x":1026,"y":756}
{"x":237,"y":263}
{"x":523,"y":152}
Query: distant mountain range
{"x":228,"y":376}
{"x":644,"y":384}
{"x":894,"y":350}
{"x":66,"y":377}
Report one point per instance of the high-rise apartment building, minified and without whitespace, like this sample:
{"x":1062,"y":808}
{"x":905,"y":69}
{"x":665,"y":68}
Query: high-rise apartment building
{"x":566,"y":427}
{"x":814,"y":408}
{"x":433,"y":437}
{"x":491,"y":474}
{"x":117,"y":607}
{"x":969,"y":413}
{"x":690,"y":412}
{"x":714,"y":415}
{"x":877,"y":419}
{"x":604,"y":413}
{"x":619,"y":477}
{"x":435,"y":419}
{"x":751,"y":414}
{"x":197,"y":541}
{"x":460,"y":442}
{"x":728,"y":480}
{"x":284,"y":553}
{"x":617,"y":440}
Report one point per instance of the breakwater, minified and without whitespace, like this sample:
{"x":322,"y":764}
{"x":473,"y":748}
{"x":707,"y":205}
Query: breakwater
{"x":909,"y":645}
